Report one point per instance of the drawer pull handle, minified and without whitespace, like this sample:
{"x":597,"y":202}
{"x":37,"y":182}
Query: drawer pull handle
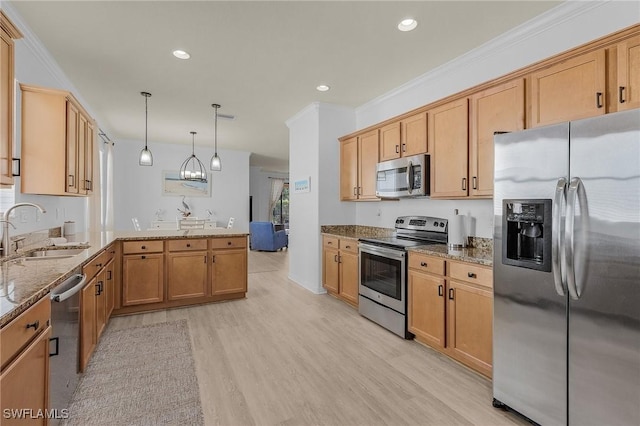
{"x":143,"y":247}
{"x":213,"y":259}
{"x":471,"y":275}
{"x":423,"y":264}
{"x":621,"y":94}
{"x":109,"y":277}
{"x":347,"y":246}
{"x":335,"y":258}
{"x":57,"y":342}
{"x":188,"y":245}
{"x":450,"y":294}
{"x":397,"y":149}
{"x":143,"y":257}
{"x":330,"y":242}
{"x":599,"y":100}
{"x":205,"y":258}
{"x":228,"y":243}
{"x":34,"y":325}
{"x":440,"y":290}
{"x":99,"y":265}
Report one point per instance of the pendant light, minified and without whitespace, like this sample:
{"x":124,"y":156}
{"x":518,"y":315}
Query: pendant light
{"x":192,"y":168}
{"x":146,"y":159}
{"x":216,"y":164}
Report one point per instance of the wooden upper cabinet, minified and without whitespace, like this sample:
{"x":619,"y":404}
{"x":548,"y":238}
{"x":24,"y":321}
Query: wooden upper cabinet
{"x":349,"y":169}
{"x":404,"y":138}
{"x":570,"y":90}
{"x":57,"y":143}
{"x":414,"y":135}
{"x":628,"y":90}
{"x":448,"y":147}
{"x":8,"y":33}
{"x":498,"y":109}
{"x":390,"y":141}
{"x":367,"y":161}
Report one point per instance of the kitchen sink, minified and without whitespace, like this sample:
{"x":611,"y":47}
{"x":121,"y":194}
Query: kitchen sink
{"x":54,"y":254}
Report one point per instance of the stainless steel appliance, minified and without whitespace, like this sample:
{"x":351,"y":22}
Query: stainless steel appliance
{"x":403,"y":177}
{"x":383,"y":270}
{"x":63,"y":363}
{"x":567,"y":272}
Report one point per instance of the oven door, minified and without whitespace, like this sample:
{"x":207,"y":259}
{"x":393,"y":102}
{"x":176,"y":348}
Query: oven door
{"x":383,"y":276}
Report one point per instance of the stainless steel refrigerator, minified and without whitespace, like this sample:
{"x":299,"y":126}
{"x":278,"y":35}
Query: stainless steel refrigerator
{"x":566,"y":344}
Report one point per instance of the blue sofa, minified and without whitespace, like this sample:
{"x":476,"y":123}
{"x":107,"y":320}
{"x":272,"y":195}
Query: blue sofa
{"x":264,"y":237}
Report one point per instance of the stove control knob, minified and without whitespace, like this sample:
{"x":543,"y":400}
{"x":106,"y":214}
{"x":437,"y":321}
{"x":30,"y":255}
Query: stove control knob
{"x":435,"y":224}
{"x":441,"y":224}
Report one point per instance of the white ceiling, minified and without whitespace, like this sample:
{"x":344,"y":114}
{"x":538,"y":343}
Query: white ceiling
{"x":260,"y":60}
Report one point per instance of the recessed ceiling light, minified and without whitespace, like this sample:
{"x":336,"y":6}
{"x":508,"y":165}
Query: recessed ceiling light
{"x":322,"y":88}
{"x":407,"y":24}
{"x":181,"y":54}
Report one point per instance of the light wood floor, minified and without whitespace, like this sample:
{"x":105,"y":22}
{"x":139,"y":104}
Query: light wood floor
{"x":284,"y":356}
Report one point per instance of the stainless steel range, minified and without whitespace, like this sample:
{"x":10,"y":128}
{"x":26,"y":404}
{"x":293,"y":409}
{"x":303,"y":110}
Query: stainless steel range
{"x":383,"y":270}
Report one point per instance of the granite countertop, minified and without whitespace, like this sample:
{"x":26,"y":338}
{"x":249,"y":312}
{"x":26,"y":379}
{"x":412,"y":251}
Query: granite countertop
{"x":24,"y":282}
{"x":480,"y":253}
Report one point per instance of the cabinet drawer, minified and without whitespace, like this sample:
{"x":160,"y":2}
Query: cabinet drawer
{"x":22,"y":330}
{"x":350,"y":246}
{"x":187,"y":245}
{"x":234,"y":242}
{"x":424,"y":263}
{"x":471,"y":273}
{"x":96,"y":264}
{"x":330,"y":242}
{"x":129,"y":247}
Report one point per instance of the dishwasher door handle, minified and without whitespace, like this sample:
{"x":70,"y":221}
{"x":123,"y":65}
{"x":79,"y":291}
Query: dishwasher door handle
{"x":57,"y":296}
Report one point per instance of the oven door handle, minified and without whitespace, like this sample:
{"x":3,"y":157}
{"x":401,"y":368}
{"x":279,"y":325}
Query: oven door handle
{"x":379,"y":251}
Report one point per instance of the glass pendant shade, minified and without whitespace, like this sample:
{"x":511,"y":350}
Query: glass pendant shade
{"x":192,"y":168}
{"x":215,"y":165}
{"x":146,"y":159}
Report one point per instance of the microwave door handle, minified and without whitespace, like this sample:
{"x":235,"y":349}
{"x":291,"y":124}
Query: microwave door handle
{"x":410,"y":177}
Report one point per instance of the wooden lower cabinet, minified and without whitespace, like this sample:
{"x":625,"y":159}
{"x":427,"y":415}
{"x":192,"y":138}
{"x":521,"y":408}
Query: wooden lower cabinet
{"x":142,"y":279}
{"x":187,"y":275}
{"x":110,"y":287}
{"x":452,"y":311}
{"x":340,"y":268}
{"x":229,"y":271}
{"x":88,"y":337}
{"x":426,"y":305}
{"x":101,"y":303}
{"x":24,"y":384}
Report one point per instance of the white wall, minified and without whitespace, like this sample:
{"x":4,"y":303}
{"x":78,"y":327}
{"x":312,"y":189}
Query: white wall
{"x":138,"y":189}
{"x":564,"y":27}
{"x":260,"y":190}
{"x":34,"y":65}
{"x":313,"y":150}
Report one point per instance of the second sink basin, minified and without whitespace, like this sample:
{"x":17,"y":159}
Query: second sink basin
{"x":54,"y":254}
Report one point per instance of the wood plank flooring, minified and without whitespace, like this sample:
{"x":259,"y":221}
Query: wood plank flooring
{"x":285,"y":356}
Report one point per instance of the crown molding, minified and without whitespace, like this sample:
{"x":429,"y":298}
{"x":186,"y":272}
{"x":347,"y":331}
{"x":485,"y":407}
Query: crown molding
{"x":550,"y":19}
{"x":313,"y":106}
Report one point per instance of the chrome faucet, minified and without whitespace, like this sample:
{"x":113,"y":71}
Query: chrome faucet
{"x":6,"y":246}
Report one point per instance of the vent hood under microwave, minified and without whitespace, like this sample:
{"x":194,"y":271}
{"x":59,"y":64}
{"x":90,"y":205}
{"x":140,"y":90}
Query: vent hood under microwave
{"x":403,"y":177}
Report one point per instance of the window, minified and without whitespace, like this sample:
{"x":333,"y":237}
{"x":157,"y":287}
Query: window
{"x":7,"y":198}
{"x":281,"y":208}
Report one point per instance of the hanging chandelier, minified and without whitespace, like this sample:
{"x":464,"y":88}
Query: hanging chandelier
{"x":215,"y":164}
{"x":146,"y":159}
{"x":192,"y":168}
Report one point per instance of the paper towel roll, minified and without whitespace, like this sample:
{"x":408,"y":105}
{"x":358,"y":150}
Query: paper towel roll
{"x":457,"y":231}
{"x":69,"y":229}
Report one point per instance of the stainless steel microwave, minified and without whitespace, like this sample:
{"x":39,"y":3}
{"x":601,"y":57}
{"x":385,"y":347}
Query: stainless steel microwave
{"x":403,"y":177}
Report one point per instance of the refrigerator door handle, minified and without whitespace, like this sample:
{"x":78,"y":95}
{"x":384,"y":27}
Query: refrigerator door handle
{"x":559,"y":277}
{"x":576,"y":190}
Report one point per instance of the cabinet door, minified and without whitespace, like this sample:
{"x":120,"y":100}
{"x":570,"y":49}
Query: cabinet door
{"x":229,"y":272}
{"x":6,"y":108}
{"x":88,"y":337}
{"x":414,"y":135}
{"x":330,"y":270}
{"x":426,"y":305}
{"x":448,"y":146}
{"x":109,"y":288}
{"x":87,"y":159}
{"x":82,"y":149}
{"x":73,"y":120}
{"x":571,"y":90}
{"x":142,"y":279}
{"x":24,"y":384}
{"x":498,"y":109}
{"x":629,"y":74}
{"x":349,"y":277}
{"x":390,"y":145}
{"x":349,"y":169}
{"x":187,"y":275}
{"x":470,"y":325}
{"x":367,"y":161}
{"x":101,"y":303}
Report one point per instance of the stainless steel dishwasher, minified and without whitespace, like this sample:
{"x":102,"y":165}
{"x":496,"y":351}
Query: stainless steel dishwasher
{"x":64,"y":343}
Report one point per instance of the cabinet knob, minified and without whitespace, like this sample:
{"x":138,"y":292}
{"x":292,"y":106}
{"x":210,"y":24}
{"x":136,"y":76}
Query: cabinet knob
{"x":34,"y":325}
